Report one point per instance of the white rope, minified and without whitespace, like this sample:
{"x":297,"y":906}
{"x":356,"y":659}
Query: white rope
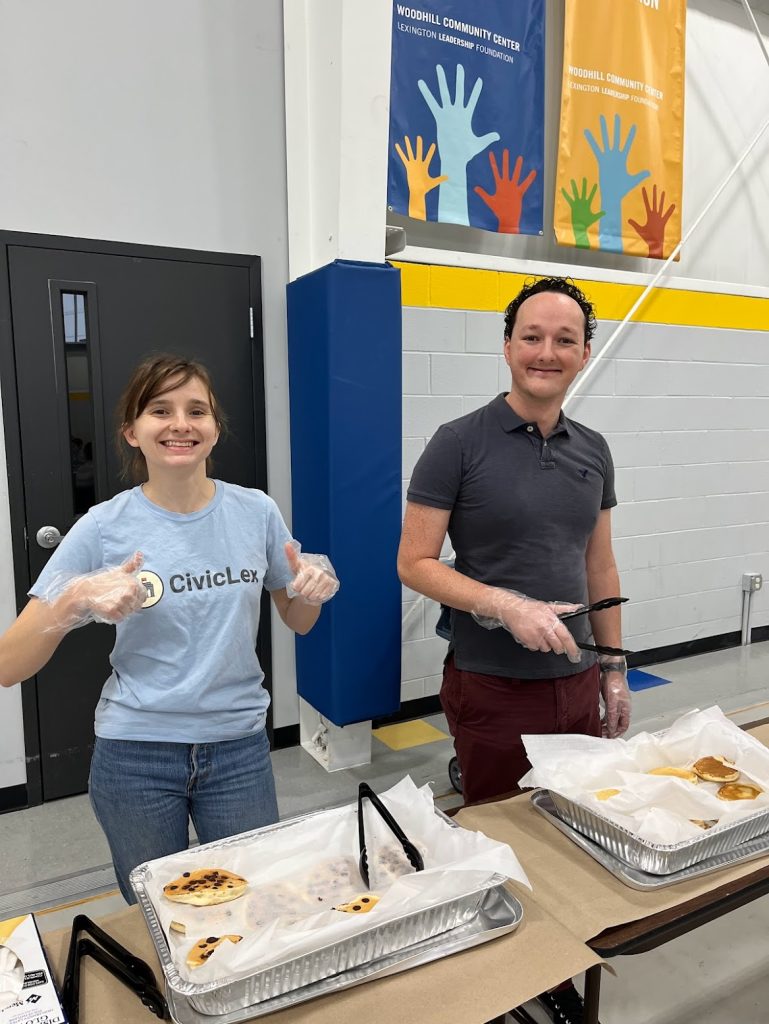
{"x":756,"y":29}
{"x":593,"y":364}
{"x":591,"y":367}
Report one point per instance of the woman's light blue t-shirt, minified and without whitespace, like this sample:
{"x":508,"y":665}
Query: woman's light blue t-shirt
{"x":184,"y":667}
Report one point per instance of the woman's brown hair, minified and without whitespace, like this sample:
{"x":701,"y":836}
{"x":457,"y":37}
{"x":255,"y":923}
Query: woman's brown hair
{"x":155,"y":376}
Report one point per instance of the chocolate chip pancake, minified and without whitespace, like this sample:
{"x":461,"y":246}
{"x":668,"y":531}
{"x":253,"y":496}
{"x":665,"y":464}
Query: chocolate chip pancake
{"x":205,"y":887}
{"x":360,"y":905}
{"x":204,"y":948}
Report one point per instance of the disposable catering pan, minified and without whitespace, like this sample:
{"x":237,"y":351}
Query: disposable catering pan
{"x":644,"y":881}
{"x":375,"y":943}
{"x":659,"y":858}
{"x":499,"y":913}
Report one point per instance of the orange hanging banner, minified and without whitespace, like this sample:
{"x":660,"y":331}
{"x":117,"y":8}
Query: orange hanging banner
{"x":620,"y":155}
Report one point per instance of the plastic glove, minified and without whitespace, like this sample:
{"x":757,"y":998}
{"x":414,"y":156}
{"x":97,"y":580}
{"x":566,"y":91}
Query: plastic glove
{"x":533,"y":624}
{"x":616,"y":698}
{"x":315,"y":581}
{"x":107,"y":595}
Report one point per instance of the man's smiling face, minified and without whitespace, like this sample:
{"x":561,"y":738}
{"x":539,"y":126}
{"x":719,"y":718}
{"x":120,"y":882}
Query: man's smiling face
{"x":547,"y":347}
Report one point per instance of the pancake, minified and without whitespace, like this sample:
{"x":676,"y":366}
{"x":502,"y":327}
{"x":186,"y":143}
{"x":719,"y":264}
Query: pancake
{"x":678,"y":773}
{"x":204,"y":948}
{"x":389,"y":863}
{"x":360,"y":905}
{"x":205,"y":887}
{"x":605,"y":794}
{"x":331,"y":880}
{"x":716,"y":769}
{"x":738,"y":791}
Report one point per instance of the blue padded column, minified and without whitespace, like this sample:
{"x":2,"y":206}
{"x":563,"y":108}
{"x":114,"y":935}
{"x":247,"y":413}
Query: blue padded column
{"x":344,"y":354}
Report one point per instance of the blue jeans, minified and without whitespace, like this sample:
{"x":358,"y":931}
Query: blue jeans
{"x":144,"y":793}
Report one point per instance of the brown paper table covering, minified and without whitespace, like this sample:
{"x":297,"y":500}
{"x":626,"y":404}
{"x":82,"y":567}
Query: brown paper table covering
{"x":574,"y":899}
{"x":569,"y":884}
{"x":467,"y":988}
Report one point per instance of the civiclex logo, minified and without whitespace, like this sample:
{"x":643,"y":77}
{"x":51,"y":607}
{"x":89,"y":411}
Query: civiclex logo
{"x":189,"y":582}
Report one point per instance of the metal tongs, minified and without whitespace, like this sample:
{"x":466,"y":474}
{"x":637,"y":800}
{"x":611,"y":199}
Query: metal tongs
{"x":131,"y":970}
{"x":599,"y":606}
{"x":412,"y":853}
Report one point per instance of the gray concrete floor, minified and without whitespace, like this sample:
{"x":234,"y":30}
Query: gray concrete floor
{"x":55,"y":859}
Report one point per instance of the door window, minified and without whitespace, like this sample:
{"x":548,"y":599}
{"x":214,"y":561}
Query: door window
{"x":74,"y":311}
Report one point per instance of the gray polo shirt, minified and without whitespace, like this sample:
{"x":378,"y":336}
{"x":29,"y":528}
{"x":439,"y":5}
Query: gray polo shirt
{"x":523,"y":509}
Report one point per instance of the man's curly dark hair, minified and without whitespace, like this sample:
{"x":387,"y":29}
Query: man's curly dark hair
{"x":561,"y":285}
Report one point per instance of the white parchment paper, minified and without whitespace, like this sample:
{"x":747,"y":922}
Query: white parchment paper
{"x":297,"y":874}
{"x":657,"y":808}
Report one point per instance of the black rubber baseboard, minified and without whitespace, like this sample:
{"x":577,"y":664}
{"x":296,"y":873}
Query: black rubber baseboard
{"x":13,"y":798}
{"x":285,"y":736}
{"x":704,"y":645}
{"x":288,"y":735}
{"x":418,"y":708}
{"x":673,"y":652}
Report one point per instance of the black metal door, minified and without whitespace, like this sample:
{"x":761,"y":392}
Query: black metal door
{"x":80,"y":323}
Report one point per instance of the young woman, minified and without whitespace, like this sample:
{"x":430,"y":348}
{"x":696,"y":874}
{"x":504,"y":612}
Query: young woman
{"x":178,"y":563}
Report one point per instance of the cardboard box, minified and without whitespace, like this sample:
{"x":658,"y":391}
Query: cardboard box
{"x":38,"y":1001}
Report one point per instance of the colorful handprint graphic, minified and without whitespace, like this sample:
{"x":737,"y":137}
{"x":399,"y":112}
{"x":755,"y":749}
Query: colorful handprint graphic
{"x":614,"y":179}
{"x":418,"y":176}
{"x":582,"y":216}
{"x":457,"y":142}
{"x":657,"y":217}
{"x":506,"y":201}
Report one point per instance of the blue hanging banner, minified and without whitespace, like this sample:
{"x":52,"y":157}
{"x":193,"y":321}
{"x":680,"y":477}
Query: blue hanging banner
{"x":467,"y":110}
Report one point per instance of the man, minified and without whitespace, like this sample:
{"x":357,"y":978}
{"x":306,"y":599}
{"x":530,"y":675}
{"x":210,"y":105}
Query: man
{"x":525,"y":495}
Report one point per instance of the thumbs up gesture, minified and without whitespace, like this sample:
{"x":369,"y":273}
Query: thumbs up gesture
{"x":315,"y":581}
{"x":107,"y":595}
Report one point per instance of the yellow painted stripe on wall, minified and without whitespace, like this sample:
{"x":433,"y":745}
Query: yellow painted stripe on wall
{"x":415,"y":285}
{"x":460,"y":288}
{"x":442,"y":287}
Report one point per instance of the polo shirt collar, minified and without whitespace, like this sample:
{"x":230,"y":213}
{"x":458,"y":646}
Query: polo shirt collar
{"x":509,"y":420}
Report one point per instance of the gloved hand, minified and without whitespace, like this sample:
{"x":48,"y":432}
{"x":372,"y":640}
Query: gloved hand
{"x":107,"y":595}
{"x":533,"y":624}
{"x":616,"y":696}
{"x":315,"y":581}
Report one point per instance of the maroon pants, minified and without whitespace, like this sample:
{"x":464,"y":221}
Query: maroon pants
{"x":488,"y":714}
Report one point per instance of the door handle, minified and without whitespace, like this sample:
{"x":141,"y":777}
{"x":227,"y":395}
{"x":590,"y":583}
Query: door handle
{"x":48,"y":537}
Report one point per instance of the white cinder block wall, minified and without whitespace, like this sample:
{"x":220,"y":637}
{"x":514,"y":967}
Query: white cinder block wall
{"x":684,"y":409}
{"x":686,"y":413}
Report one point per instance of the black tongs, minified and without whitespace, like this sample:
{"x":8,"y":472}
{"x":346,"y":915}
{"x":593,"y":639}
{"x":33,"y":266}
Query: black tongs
{"x":412,"y":853}
{"x":131,"y":970}
{"x":598,"y":606}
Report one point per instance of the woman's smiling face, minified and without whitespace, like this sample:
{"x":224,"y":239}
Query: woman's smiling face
{"x":176,"y":429}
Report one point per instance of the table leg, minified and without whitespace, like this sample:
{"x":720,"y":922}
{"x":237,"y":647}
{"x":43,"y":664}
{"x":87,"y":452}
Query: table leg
{"x":521,"y":1016}
{"x":592,"y":993}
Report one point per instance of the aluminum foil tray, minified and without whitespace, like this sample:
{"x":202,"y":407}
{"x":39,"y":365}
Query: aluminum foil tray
{"x":657,"y":858}
{"x":375,"y":943}
{"x":498,"y":913}
{"x":644,"y":881}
